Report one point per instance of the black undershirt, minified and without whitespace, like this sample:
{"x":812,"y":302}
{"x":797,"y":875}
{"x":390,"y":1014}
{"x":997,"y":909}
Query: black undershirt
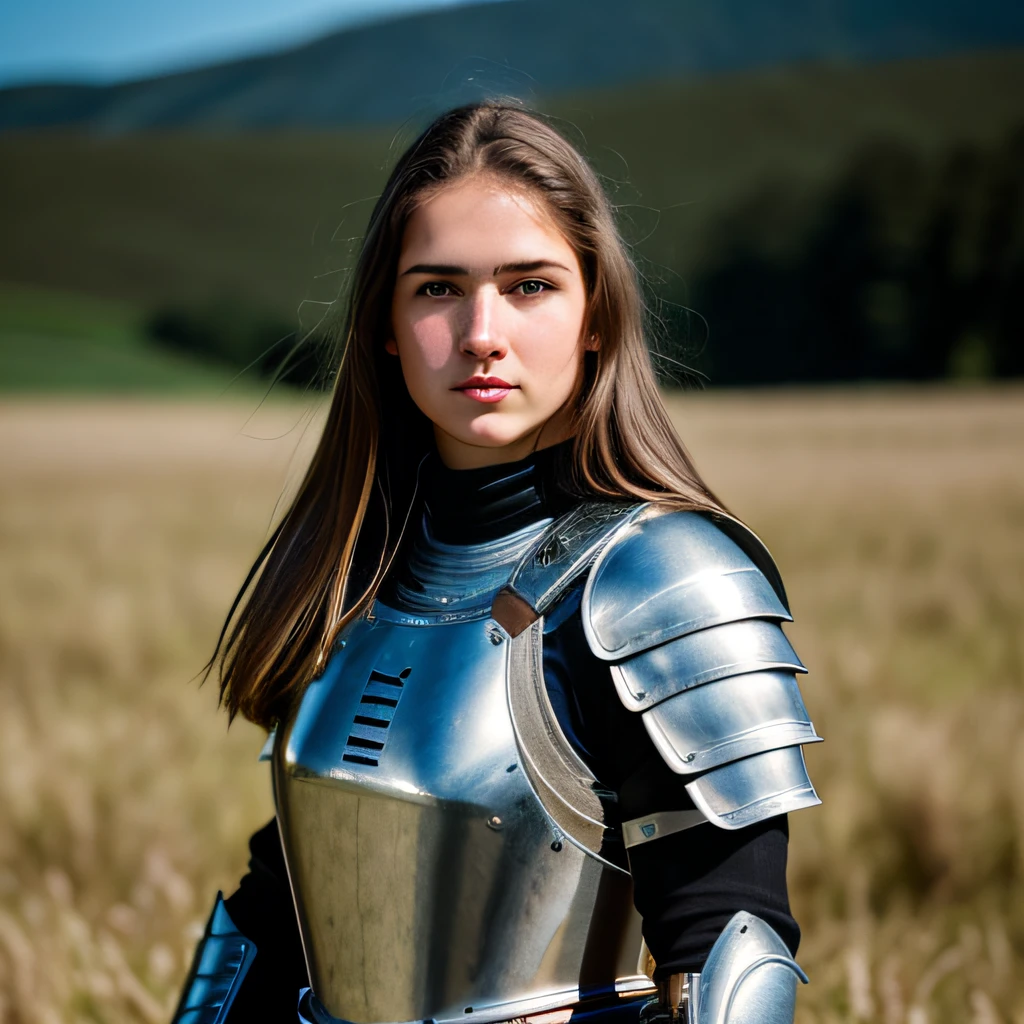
{"x":686,"y":886}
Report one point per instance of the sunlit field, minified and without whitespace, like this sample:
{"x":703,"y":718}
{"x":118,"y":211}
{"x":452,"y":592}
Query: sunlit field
{"x":125,"y":801}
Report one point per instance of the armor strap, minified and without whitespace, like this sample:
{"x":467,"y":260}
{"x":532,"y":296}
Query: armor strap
{"x":662,"y":823}
{"x":677,"y":995}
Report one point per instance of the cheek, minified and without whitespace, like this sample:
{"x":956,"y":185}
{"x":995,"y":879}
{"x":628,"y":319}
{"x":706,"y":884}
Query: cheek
{"x":549,"y":342}
{"x":428,"y":340}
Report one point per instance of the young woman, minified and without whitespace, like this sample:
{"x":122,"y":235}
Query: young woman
{"x":526,"y":675}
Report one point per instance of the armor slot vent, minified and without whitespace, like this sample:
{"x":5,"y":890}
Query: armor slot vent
{"x":364,"y":720}
{"x":370,"y":725}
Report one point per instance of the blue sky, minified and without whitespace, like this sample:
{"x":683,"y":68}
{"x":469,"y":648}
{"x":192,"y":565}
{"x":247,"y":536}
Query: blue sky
{"x":107,"y":40}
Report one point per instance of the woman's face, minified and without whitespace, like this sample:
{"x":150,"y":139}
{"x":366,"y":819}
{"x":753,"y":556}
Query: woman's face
{"x":487,"y":317}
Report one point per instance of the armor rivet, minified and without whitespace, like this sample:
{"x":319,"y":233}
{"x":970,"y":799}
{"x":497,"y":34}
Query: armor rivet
{"x":556,"y":846}
{"x":495,"y":635}
{"x":689,"y":757}
{"x":342,"y":643}
{"x":641,"y":695}
{"x":495,"y":822}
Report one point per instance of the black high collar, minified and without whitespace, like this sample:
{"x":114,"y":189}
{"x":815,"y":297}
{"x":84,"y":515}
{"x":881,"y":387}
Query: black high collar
{"x":469,"y":506}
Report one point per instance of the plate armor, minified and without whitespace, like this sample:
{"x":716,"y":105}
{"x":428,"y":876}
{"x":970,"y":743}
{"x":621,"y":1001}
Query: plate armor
{"x":219,"y":967}
{"x":448,"y":850}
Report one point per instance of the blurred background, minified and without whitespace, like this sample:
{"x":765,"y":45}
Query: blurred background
{"x":825,"y":199}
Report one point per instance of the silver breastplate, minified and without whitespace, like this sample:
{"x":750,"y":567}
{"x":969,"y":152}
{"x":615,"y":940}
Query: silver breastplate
{"x":443,"y":840}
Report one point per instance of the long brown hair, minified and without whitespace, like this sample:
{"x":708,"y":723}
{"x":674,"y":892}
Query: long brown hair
{"x":328,"y":555}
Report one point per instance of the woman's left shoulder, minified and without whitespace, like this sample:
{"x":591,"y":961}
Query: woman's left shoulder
{"x":687,"y":608}
{"x":666,"y":573}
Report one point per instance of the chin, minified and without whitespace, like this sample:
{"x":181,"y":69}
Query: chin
{"x":493,"y":434}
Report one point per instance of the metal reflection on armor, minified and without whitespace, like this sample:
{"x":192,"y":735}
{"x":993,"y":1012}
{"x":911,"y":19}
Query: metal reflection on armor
{"x":688,"y":614}
{"x":749,"y":976}
{"x":222,"y":960}
{"x":455,"y":581}
{"x":447,"y":848}
{"x":429,"y":878}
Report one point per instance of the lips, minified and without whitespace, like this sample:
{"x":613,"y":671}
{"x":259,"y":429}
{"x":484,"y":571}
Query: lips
{"x":483,"y":382}
{"x":485,"y":389}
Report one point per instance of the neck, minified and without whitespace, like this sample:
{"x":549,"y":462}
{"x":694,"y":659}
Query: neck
{"x":468,"y":506}
{"x":474,"y":526}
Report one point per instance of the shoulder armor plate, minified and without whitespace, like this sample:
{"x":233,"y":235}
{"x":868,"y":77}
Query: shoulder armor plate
{"x":668,"y":575}
{"x":688,"y":608}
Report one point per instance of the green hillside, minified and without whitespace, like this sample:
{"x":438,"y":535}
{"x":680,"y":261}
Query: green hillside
{"x":272,"y":218}
{"x":52,"y":341}
{"x":732,"y":190}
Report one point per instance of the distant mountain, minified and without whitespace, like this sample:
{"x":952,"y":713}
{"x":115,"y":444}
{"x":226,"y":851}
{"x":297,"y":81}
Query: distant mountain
{"x":411,"y":66}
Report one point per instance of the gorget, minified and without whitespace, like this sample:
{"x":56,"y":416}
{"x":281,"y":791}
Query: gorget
{"x":443,"y":839}
{"x":453,"y":582}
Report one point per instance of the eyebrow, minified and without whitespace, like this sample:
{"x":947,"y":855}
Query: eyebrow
{"x":527,"y":267}
{"x":450,"y":270}
{"x":445,"y":269}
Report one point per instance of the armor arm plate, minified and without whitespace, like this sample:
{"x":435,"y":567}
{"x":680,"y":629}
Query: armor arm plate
{"x":689,"y":616}
{"x":750,"y":975}
{"x":221,"y":962}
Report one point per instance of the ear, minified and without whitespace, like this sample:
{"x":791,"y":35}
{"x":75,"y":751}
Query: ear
{"x":592,"y":343}
{"x":391,"y":347}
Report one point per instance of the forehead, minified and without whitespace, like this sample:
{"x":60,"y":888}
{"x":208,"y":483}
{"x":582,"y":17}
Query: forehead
{"x":481,"y":223}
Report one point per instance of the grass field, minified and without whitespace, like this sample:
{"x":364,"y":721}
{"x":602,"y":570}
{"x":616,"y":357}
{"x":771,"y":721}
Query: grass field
{"x":897,"y":518}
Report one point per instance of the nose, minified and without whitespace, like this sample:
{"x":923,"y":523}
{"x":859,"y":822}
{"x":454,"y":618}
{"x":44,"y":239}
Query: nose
{"x":481,"y":336}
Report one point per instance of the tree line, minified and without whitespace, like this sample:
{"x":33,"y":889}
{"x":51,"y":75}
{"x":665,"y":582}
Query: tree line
{"x":908,"y":267}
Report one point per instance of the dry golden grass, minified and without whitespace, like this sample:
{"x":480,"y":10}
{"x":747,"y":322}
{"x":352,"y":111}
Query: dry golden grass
{"x":897,"y":518}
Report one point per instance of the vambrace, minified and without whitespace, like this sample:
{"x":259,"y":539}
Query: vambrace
{"x":222,"y":960}
{"x":749,"y":978}
{"x":687,"y":609}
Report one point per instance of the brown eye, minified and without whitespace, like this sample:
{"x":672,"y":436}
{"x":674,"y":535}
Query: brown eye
{"x":436,"y":290}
